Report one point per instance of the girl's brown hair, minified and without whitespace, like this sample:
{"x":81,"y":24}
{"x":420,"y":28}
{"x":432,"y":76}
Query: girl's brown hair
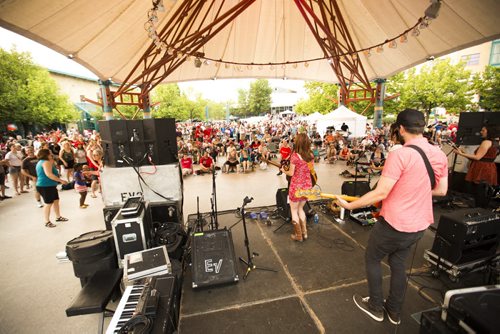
{"x":303,"y":147}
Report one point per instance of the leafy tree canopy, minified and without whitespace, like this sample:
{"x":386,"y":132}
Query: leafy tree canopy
{"x":487,"y":86}
{"x":28,"y":94}
{"x":441,"y":85}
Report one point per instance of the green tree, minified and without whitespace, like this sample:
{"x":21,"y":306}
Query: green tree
{"x":172,"y":103}
{"x":487,"y":85}
{"x":28,"y":94}
{"x":321,"y":99}
{"x":259,"y":97}
{"x":243,"y":107}
{"x":441,"y":85}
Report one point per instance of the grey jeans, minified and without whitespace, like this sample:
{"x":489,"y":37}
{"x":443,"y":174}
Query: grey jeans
{"x":386,"y":241}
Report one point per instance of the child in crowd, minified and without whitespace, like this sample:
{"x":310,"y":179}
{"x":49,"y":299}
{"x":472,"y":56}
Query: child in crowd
{"x":81,"y":184}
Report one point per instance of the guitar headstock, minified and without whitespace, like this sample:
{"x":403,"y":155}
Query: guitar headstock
{"x":308,"y":193}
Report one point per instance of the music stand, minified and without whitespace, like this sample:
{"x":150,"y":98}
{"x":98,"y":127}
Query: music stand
{"x":250,"y":255}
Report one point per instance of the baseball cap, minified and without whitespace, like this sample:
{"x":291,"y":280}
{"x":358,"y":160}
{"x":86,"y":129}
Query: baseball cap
{"x":411,"y":118}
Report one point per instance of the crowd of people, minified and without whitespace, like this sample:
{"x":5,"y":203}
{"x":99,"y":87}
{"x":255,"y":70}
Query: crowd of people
{"x":44,"y":161}
{"x":231,"y":146}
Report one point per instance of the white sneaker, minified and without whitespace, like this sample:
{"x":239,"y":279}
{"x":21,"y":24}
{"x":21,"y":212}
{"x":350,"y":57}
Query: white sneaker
{"x":39,"y":204}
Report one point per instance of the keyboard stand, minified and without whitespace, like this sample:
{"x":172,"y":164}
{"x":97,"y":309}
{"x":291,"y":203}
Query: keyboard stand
{"x":96,"y":294}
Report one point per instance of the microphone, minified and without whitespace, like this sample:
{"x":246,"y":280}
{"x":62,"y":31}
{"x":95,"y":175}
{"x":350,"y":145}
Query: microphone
{"x":247,"y":200}
{"x":135,"y":136}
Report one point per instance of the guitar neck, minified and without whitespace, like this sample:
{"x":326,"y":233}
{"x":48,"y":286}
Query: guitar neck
{"x":344,"y":197}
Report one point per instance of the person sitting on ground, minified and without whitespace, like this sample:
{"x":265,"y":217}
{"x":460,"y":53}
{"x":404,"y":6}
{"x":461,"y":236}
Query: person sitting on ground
{"x":206,"y":164}
{"x":377,"y":160}
{"x":186,"y":165}
{"x":231,"y":162}
{"x":244,"y":161}
{"x":344,"y":153}
{"x":315,"y":152}
{"x":331,"y":152}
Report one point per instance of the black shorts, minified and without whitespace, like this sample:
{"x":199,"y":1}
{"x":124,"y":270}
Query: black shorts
{"x":2,"y":178}
{"x":49,"y":194}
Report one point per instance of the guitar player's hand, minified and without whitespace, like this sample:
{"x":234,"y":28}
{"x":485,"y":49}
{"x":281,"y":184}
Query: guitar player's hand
{"x":343,"y":203}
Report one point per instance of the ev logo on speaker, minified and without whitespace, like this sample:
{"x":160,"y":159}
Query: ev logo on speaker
{"x":210,"y":266}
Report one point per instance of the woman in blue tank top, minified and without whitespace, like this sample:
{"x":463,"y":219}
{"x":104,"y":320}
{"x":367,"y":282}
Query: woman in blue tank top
{"x":46,"y":183}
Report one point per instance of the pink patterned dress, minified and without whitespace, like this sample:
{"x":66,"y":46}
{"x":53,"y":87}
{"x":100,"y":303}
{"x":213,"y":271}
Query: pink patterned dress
{"x":301,"y":178}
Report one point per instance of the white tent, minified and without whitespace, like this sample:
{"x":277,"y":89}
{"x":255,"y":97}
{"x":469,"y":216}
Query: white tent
{"x":316,"y":116}
{"x":356,"y":122}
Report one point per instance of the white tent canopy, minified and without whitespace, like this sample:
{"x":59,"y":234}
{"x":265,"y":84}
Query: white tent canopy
{"x":355,"y":122}
{"x":109,"y":37}
{"x":316,"y":116}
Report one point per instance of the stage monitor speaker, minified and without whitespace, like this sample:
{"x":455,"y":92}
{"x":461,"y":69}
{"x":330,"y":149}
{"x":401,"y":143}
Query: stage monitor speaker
{"x":355,"y":188}
{"x":431,"y":323}
{"x":161,"y":141}
{"x":284,"y":208}
{"x":214,"y":260}
{"x":282,"y":203}
{"x":463,"y":237}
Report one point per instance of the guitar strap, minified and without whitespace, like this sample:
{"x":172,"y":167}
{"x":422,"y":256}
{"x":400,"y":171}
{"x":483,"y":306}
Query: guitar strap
{"x":430,"y":171}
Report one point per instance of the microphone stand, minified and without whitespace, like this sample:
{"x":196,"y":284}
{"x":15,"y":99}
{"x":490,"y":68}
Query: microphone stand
{"x":215,"y":221}
{"x":250,"y":255}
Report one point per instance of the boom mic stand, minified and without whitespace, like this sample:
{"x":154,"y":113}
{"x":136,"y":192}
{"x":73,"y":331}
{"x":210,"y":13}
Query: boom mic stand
{"x":250,"y":255}
{"x":214,"y":223}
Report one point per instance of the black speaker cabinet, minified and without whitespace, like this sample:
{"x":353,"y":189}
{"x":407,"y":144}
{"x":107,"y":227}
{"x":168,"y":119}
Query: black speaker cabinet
{"x":161,"y":134}
{"x":284,"y":208}
{"x":167,"y":316}
{"x":114,"y":131}
{"x":431,"y":323}
{"x":166,"y":212}
{"x":355,"y":188}
{"x":463,"y":237}
{"x":137,"y":143}
{"x":470,"y":124}
{"x":214,"y":260}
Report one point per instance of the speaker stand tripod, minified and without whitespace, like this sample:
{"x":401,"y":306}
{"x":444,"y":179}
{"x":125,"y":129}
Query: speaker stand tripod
{"x":250,"y":255}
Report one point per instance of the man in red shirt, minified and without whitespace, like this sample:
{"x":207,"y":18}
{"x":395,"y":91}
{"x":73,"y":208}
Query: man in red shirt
{"x":285,"y":152}
{"x":206,"y":164}
{"x":186,"y":165}
{"x":406,"y":194}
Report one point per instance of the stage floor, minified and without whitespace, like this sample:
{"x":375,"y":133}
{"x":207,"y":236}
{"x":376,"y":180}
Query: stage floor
{"x":311,"y":292}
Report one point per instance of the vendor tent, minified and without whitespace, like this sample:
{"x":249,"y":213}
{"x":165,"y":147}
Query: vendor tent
{"x":314,"y":117}
{"x":356,"y":122}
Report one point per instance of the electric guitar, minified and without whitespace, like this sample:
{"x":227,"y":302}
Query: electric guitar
{"x":313,"y":194}
{"x":283,"y":163}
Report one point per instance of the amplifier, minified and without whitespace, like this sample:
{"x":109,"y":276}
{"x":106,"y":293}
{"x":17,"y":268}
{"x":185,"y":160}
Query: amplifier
{"x":431,"y":323}
{"x":214,"y":261}
{"x":284,"y":208}
{"x":472,"y":310}
{"x":131,"y":233}
{"x":355,"y":188}
{"x":465,"y":237}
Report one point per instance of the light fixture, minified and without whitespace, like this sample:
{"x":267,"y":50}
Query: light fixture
{"x":306,"y":64}
{"x":158,"y":5}
{"x":393,"y":44}
{"x":330,"y":61}
{"x":403,"y":38}
{"x":294,"y":65}
{"x":432,"y":11}
{"x":424,"y":24}
{"x":354,"y":56}
{"x":197,"y":62}
{"x":368,"y":52}
{"x":380,"y":49}
{"x":415,"y":32}
{"x":206,"y":62}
